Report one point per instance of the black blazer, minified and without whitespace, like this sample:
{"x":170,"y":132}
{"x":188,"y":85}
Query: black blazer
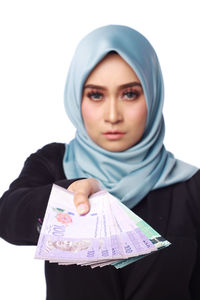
{"x":170,"y":274}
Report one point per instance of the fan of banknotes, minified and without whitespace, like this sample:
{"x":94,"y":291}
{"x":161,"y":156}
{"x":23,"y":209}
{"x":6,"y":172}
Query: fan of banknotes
{"x":109,"y":234}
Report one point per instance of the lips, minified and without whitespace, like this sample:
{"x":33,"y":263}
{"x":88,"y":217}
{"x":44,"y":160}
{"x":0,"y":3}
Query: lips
{"x":114,"y":134}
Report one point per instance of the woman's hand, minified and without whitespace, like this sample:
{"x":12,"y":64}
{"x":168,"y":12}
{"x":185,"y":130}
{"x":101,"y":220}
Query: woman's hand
{"x":82,"y":189}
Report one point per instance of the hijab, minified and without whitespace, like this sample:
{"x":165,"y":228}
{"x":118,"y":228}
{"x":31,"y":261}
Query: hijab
{"x":131,"y":174}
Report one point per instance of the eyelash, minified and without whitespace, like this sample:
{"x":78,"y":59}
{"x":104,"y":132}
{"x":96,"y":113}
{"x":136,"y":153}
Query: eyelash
{"x":92,"y":94}
{"x":135,"y":95}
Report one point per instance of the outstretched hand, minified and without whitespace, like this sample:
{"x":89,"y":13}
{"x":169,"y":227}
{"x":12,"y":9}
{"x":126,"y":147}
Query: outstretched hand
{"x":82,"y":189}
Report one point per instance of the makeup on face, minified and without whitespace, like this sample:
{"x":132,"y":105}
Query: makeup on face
{"x":113,"y":105}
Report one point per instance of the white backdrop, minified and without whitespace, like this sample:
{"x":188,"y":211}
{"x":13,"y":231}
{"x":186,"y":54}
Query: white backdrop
{"x":38,"y":39}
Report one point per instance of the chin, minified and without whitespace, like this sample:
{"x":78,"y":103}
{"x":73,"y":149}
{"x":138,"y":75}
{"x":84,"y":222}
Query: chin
{"x":115,"y":148}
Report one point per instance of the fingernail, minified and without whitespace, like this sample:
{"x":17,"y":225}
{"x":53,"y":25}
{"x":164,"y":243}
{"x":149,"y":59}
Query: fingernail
{"x":82,"y":208}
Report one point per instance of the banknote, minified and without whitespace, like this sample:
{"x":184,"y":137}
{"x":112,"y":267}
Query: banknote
{"x":132,"y":239}
{"x":65,"y":234}
{"x":109,"y":234}
{"x":152,"y":235}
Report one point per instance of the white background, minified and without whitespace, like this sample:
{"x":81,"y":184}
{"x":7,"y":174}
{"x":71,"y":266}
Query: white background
{"x":38,"y":39}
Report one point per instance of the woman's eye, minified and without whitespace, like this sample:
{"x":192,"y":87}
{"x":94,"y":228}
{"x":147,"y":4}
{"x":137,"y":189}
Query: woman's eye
{"x":131,"y":95}
{"x":95,"y":96}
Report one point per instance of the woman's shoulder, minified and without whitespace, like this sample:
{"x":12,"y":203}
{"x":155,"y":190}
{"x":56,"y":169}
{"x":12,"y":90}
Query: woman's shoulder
{"x":190,"y":186}
{"x":49,"y":152}
{"x":195,"y":179}
{"x":51,"y":149}
{"x":48,"y":157}
{"x":183,"y":197}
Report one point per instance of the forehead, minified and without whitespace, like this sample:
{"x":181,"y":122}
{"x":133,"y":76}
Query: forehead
{"x":112,"y":69}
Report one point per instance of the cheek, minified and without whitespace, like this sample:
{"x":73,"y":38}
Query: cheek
{"x":138,"y":115}
{"x":86,"y":111}
{"x":89,"y":113}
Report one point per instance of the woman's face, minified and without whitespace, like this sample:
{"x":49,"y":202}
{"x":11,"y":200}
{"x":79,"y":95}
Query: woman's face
{"x":113,"y":106}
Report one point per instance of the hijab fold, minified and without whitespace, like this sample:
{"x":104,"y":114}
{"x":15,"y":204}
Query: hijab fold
{"x":131,"y":174}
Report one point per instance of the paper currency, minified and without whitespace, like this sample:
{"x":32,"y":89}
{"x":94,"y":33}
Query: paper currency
{"x":109,"y":234}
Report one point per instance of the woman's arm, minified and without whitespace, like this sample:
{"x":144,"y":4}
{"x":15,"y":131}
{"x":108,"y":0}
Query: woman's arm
{"x":26,"y":200}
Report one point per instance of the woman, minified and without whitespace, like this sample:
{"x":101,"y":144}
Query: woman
{"x":114,"y":97}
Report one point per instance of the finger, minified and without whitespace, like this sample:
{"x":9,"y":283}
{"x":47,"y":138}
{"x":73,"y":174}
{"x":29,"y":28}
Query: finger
{"x":81,"y":202}
{"x":82,"y":189}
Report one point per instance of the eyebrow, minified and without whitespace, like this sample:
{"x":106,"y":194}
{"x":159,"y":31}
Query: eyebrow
{"x":123,"y":86}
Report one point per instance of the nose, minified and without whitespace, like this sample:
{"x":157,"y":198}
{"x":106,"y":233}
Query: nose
{"x":113,"y":111}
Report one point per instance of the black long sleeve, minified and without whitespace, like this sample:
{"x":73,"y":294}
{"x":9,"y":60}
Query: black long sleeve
{"x":26,"y":200}
{"x":172,"y":273}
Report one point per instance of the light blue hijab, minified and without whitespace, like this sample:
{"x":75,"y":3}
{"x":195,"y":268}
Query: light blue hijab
{"x":129,"y":175}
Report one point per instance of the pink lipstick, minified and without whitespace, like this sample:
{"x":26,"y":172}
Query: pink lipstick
{"x":114,"y":134}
